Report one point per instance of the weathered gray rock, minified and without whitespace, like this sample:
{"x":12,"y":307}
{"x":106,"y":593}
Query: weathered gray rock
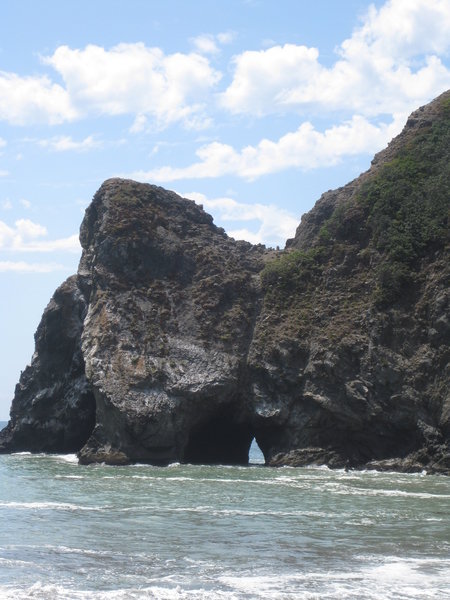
{"x":351,"y":349}
{"x":171,"y":312}
{"x":54,"y":408}
{"x":176,"y":343}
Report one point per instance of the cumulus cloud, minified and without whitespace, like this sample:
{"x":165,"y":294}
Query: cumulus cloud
{"x":4,"y":173}
{"x":377,"y":71}
{"x":126,"y":79}
{"x":274,"y":225}
{"x":64,"y":143}
{"x":26,"y":236}
{"x":27,"y":100}
{"x":306,"y":148}
{"x":391,"y":63}
{"x":133,"y":78}
{"x":25,"y":267}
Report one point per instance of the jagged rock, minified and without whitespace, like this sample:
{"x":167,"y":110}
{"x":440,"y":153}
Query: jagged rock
{"x":54,"y":408}
{"x":172,"y":306}
{"x":352,"y":344}
{"x":177,"y":343}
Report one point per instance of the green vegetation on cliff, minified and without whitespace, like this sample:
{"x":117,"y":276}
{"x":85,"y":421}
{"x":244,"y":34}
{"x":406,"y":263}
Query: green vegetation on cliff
{"x":398,"y":215}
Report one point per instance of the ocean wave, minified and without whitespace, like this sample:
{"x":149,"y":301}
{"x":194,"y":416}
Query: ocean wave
{"x":70,"y":458}
{"x":382,"y":492}
{"x":40,"y":591}
{"x":388,"y":578}
{"x":52,"y":506}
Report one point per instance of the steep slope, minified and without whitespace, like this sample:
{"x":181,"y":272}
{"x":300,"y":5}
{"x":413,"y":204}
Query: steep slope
{"x":350,"y":354}
{"x":176,"y":343}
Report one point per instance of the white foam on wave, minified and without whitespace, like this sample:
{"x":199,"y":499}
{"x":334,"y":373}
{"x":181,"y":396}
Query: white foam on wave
{"x":281,"y":481}
{"x":83,"y":551}
{"x":234,"y":512}
{"x":41,"y":591}
{"x":51,"y":506}
{"x":381,"y":492}
{"x":70,"y":458}
{"x":390,"y":578}
{"x":411,"y":578}
{"x":60,"y":549}
{"x":67,"y":458}
{"x":14,"y":562}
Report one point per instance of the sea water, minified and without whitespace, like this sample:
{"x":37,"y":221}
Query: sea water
{"x":219,"y":533}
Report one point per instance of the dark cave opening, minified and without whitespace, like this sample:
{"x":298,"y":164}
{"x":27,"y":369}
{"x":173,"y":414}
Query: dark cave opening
{"x":220,"y":441}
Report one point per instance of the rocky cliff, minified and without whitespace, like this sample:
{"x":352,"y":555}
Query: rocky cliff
{"x":174,"y":342}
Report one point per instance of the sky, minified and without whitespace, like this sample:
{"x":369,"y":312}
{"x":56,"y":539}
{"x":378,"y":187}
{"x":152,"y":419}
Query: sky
{"x":252,"y":108}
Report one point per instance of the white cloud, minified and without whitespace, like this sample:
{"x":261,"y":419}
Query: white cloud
{"x":4,"y":173}
{"x":27,"y":230}
{"x":205,"y":44}
{"x":64,"y":143}
{"x":126,"y":79}
{"x":25,"y":100}
{"x":392,"y":62}
{"x":25,"y":203}
{"x":208,"y":43}
{"x":261,"y":77}
{"x":140,"y":123}
{"x":24,"y":267}
{"x":275,"y":225}
{"x":2,"y":143}
{"x":68,"y":244}
{"x":226,"y":37}
{"x":7,"y":204}
{"x":133,"y":78}
{"x":378,"y":70}
{"x":306,"y":148}
{"x":26,"y":236}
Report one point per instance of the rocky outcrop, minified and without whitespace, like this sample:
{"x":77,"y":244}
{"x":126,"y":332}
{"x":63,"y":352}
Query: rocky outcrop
{"x":174,"y":342}
{"x":54,"y":408}
{"x":350,"y":356}
{"x":172,"y":307}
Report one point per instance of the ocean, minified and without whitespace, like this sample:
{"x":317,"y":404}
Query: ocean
{"x":219,"y":533}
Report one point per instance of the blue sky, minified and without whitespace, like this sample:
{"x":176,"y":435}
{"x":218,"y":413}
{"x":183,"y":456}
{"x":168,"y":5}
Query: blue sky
{"x":251,"y":107}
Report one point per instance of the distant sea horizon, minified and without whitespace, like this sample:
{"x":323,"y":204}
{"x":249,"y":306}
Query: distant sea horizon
{"x":3,"y":424}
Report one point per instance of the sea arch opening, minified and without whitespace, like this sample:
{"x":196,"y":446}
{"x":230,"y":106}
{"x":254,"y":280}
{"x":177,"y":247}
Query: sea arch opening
{"x":255,"y":454}
{"x":222,"y":439}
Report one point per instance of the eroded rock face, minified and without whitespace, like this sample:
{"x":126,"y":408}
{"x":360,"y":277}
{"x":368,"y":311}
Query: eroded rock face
{"x":171,"y":313}
{"x":350,"y":355}
{"x":54,"y":407}
{"x":177,"y":343}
